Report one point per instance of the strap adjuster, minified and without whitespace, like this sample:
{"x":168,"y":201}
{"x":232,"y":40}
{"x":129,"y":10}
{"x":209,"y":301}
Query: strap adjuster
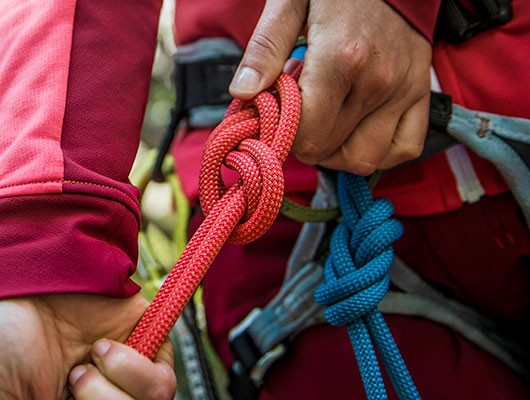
{"x":457,"y":25}
{"x":248,"y":359}
{"x":203,"y":72}
{"x":440,"y":111}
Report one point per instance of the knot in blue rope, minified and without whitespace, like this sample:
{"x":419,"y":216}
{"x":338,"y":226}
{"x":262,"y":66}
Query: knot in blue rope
{"x":357,"y":268}
{"x":357,"y":279}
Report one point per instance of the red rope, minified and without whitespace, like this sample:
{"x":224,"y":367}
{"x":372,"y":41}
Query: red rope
{"x":254,"y":140}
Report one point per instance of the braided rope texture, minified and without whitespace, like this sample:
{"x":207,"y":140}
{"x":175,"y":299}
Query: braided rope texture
{"x":254,"y":139}
{"x":356,"y":274}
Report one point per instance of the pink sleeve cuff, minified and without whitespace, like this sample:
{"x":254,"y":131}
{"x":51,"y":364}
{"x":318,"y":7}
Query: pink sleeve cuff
{"x":67,"y":243}
{"x":75,"y":88}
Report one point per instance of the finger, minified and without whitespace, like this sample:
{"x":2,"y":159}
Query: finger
{"x":364,"y":149}
{"x":270,"y":45}
{"x":409,"y":138}
{"x":360,"y":102}
{"x":373,"y":87}
{"x":134,"y":373}
{"x":325,"y":82}
{"x":89,"y":384}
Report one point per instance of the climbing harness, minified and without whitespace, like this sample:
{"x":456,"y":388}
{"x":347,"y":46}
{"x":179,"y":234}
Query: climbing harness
{"x":503,"y":141}
{"x":264,"y":336}
{"x":457,"y":23}
{"x":356,"y":273}
{"x":203,"y":71}
{"x":190,"y":348}
{"x":256,"y":200}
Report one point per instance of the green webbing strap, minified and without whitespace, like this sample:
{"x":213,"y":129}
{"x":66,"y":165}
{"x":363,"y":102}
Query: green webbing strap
{"x":301,"y":213}
{"x":140,"y":177}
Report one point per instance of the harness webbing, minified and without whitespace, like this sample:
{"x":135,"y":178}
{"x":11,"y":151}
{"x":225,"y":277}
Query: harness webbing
{"x":240,"y":214}
{"x":357,"y":279}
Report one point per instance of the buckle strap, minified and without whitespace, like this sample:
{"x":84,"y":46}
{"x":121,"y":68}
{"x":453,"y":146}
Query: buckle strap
{"x":422,"y":300}
{"x":493,"y":137}
{"x":203,"y":72}
{"x":260,"y":339}
{"x":257,"y":342}
{"x":457,"y":25}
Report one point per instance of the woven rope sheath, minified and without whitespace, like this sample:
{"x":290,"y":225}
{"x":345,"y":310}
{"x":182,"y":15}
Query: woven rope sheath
{"x":357,"y":279}
{"x":254,"y":140}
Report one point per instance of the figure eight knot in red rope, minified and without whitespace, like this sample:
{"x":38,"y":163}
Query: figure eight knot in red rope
{"x":254,"y":140}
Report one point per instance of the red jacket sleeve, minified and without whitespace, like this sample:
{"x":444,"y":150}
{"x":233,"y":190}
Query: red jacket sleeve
{"x":421,"y":14}
{"x":74,"y":81}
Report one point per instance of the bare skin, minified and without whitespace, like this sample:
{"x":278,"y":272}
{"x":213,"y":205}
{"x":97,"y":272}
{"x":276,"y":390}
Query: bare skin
{"x":365,"y":84}
{"x":44,"y":337}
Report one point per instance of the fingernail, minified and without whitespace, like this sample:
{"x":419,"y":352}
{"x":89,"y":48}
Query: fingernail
{"x":246,"y":81}
{"x":290,"y":65}
{"x":76,"y":373}
{"x":101,"y":347}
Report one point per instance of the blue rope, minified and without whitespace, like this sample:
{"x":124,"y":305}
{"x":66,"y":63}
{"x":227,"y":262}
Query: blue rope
{"x":357,"y":279}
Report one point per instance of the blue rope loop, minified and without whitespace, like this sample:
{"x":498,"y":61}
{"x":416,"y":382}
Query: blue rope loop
{"x":357,"y":279}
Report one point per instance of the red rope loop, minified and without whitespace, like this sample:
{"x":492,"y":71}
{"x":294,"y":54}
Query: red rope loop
{"x":254,"y":140}
{"x":258,"y":162}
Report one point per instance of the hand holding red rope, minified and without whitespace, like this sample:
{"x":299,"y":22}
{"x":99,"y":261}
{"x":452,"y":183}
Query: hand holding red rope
{"x":254,"y":140}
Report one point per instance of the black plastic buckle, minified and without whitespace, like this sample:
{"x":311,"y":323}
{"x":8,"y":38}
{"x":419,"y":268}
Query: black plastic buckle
{"x":204,"y":83}
{"x":250,"y":363}
{"x":245,"y":352}
{"x":201,"y":83}
{"x":440,"y":111}
{"x":246,"y":355}
{"x":457,"y":24}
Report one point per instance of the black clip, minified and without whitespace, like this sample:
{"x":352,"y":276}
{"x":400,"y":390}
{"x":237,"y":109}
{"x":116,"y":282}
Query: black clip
{"x":457,"y":24}
{"x":198,"y":83}
{"x":177,"y":115}
{"x":440,"y":111}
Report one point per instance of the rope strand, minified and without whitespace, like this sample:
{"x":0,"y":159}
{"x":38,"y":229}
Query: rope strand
{"x":357,"y":279}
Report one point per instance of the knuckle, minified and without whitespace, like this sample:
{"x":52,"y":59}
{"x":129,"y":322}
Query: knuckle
{"x":353,"y":56}
{"x":419,"y":80}
{"x":360,"y":167}
{"x":383,"y":79}
{"x":164,"y":390}
{"x":261,"y":45}
{"x":411,"y":151}
{"x":308,"y":152}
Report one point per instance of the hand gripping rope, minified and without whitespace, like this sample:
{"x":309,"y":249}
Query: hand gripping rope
{"x":254,"y":140}
{"x":356,"y":274}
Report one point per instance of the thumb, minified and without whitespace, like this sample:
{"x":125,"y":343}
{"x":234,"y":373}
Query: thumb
{"x":271,"y":43}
